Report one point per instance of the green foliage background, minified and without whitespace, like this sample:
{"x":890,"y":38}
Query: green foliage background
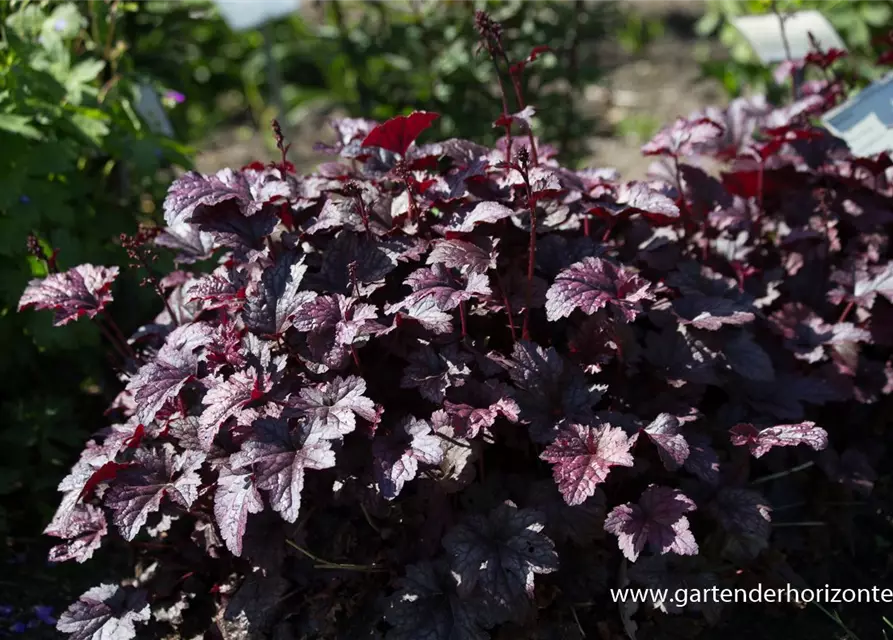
{"x":76,"y":166}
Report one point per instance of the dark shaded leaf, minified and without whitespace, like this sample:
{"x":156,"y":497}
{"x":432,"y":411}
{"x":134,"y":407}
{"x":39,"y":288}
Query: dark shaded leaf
{"x":106,"y":612}
{"x":500,"y":553}
{"x":658,"y":520}
{"x":593,"y":284}
{"x":583,"y":456}
{"x":81,"y":291}
{"x":398,"y":455}
{"x":762,"y":441}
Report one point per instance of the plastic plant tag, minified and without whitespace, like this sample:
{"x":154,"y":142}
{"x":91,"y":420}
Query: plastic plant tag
{"x":763,"y":33}
{"x":148,"y":105}
{"x":865,"y":121}
{"x":242,"y":15}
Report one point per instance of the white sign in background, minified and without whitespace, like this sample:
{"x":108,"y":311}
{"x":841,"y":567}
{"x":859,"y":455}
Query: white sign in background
{"x":763,"y":33}
{"x":865,"y":121}
{"x":242,"y":15}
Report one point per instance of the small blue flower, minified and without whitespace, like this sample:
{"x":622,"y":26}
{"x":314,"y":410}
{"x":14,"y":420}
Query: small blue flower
{"x":18,"y":627}
{"x":24,"y":199}
{"x":6,"y":610}
{"x":60,"y":24}
{"x":45,"y":614}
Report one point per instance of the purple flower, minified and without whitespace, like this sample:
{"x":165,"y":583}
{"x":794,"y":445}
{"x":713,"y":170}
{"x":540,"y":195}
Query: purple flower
{"x":44,"y":613}
{"x":24,"y":199}
{"x":175,"y":96}
{"x":6,"y":610}
{"x":18,"y":627}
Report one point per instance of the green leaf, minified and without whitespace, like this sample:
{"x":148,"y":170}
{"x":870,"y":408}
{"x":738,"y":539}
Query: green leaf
{"x":92,"y":123}
{"x":19,"y":125}
{"x":85,"y":72}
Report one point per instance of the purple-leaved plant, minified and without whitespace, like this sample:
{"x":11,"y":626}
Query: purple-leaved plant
{"x":345,"y":407}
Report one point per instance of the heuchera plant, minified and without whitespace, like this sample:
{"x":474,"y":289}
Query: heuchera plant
{"x":435,"y":389}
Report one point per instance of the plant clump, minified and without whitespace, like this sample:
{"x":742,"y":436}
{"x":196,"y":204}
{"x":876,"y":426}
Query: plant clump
{"x":433,"y":390}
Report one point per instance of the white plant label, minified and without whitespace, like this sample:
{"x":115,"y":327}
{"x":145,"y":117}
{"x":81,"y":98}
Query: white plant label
{"x":763,"y":33}
{"x":865,"y":121}
{"x":242,"y":15}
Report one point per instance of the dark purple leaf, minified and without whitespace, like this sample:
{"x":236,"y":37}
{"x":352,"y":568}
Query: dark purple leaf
{"x":191,"y":244}
{"x":469,"y":421}
{"x":463,"y":255}
{"x":250,"y":190}
{"x":581,"y":523}
{"x":684,"y":138}
{"x":710,"y":313}
{"x":672,"y":446}
{"x":398,"y":455}
{"x":336,"y":324}
{"x":550,"y":390}
{"x":331,"y":406}
{"x":106,"y":612}
{"x":593,"y":284}
{"x":702,"y":459}
{"x":352,"y":266}
{"x":583,"y":456}
{"x":446,"y":290}
{"x":784,"y":435}
{"x":155,"y":474}
{"x":658,"y":520}
{"x":236,"y":497}
{"x":743,"y":511}
{"x":483,"y":212}
{"x":500,"y":553}
{"x":83,"y":533}
{"x":271,"y":308}
{"x":159,"y":380}
{"x":433,"y":372}
{"x":81,"y":291}
{"x":224,"y":399}
{"x":747,"y":358}
{"x":278,"y":456}
{"x":638,"y":197}
{"x":427,"y":607}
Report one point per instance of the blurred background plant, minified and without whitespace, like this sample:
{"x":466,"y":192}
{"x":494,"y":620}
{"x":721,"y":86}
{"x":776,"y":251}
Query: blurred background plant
{"x":380,"y":59}
{"x":859,"y":22}
{"x":78,"y":166}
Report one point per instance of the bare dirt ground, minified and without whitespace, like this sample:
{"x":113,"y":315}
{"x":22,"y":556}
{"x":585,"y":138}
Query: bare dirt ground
{"x":643,"y":91}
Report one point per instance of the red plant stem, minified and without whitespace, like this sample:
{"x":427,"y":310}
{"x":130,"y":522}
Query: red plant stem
{"x":505,"y":104}
{"x":760,"y":210}
{"x":531,"y":260}
{"x":607,"y":233}
{"x":365,"y":214}
{"x":462,"y":318}
{"x":508,"y":307}
{"x":120,"y":335}
{"x":356,"y":358}
{"x":111,"y":338}
{"x":413,"y":209}
{"x":846,"y":311}
{"x":586,"y":225}
{"x":519,"y":95}
{"x":686,"y":214}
